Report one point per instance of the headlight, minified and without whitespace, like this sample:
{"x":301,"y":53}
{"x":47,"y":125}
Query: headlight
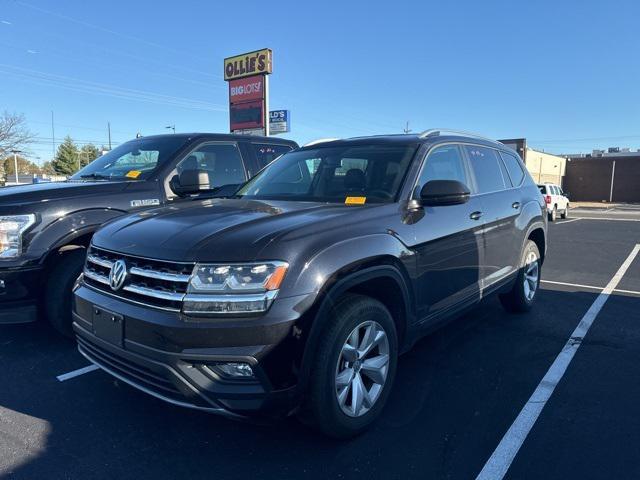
{"x":234,"y":288}
{"x":11,"y":229}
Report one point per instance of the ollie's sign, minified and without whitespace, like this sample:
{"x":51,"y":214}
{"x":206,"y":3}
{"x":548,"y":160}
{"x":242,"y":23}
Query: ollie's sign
{"x":247,"y":64}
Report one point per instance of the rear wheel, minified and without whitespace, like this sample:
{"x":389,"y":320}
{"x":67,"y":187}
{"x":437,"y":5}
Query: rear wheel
{"x":57,"y":296}
{"x":523,"y":293}
{"x":554,"y":214}
{"x":354,"y":367}
{"x":565,"y":213}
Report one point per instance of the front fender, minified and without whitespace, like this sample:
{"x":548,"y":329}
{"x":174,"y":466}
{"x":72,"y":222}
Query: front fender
{"x":69,"y":227}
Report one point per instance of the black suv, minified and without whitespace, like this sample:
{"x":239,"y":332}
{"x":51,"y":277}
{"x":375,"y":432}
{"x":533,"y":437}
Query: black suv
{"x":298,"y":292}
{"x":45,"y":228}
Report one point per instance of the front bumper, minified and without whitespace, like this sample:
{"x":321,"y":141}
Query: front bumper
{"x":19,"y":294}
{"x":165,"y":355}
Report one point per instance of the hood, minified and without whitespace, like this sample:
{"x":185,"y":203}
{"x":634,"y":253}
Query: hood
{"x":213,"y":230}
{"x":44,"y":192}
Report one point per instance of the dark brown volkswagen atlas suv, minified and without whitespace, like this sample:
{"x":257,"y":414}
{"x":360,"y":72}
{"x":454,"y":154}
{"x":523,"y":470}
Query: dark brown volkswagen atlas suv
{"x":297,"y":292}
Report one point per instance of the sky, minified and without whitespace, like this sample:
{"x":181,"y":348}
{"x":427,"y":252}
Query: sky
{"x":563,"y":74}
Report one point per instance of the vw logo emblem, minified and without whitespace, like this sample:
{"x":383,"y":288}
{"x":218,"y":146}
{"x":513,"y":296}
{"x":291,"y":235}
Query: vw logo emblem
{"x":118,"y":274}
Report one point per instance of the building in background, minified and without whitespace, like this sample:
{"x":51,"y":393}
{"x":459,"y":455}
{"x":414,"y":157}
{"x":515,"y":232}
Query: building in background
{"x":543,"y":167}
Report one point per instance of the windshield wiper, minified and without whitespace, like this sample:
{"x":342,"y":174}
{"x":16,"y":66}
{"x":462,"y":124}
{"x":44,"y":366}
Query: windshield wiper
{"x":96,"y":176}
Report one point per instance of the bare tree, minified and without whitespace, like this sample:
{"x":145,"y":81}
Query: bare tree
{"x":14,"y":134}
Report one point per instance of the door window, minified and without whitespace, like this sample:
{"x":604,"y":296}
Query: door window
{"x":221,"y":161}
{"x":443,"y":163}
{"x":268,"y":153}
{"x":514,"y":168}
{"x":486,"y":168}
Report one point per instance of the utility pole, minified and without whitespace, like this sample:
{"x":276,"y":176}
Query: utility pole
{"x":109,"y":130}
{"x":171,"y":127}
{"x":406,"y":129}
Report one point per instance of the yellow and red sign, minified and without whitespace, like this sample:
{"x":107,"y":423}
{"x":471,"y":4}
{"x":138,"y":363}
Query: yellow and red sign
{"x":248,"y":64}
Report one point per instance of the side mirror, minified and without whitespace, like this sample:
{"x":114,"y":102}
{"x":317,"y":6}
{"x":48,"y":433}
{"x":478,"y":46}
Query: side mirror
{"x":190,"y":182}
{"x":444,"y":192}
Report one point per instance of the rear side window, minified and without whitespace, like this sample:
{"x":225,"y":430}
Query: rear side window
{"x":513,"y":167}
{"x":443,"y":163}
{"x":268,"y":153}
{"x":486,"y":168}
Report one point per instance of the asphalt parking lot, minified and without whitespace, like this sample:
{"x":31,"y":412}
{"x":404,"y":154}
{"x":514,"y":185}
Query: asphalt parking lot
{"x":456,"y":395}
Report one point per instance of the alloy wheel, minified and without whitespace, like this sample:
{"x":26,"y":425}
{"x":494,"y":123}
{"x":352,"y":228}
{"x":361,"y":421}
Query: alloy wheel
{"x":362,"y":368}
{"x":531,"y":274}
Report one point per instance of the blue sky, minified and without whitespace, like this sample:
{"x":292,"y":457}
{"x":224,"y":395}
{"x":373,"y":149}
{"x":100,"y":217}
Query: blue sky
{"x":563,"y":74}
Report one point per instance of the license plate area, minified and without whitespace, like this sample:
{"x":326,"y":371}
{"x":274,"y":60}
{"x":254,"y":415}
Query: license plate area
{"x":108,"y":326}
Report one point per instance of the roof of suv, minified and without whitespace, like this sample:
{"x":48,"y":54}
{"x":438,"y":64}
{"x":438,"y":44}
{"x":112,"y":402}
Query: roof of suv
{"x":405,"y":139}
{"x":224,"y":136}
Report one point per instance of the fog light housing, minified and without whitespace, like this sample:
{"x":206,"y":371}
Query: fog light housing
{"x":233,"y":370}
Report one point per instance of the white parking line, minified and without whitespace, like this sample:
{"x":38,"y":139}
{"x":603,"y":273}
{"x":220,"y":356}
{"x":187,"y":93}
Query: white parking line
{"x":578,"y":285}
{"x":609,"y":219}
{"x":502,"y":457}
{"x":76,"y":373}
{"x":568,"y":221}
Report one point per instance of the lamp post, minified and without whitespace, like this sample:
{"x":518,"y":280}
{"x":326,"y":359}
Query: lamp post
{"x":172,"y":127}
{"x":15,"y":163}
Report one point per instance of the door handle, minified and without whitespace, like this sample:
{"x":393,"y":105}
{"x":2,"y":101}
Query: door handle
{"x":475,"y":215}
{"x":515,"y":205}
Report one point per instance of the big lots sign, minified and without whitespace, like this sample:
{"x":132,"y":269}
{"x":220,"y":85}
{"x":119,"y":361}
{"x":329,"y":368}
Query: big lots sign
{"x":246,"y":89}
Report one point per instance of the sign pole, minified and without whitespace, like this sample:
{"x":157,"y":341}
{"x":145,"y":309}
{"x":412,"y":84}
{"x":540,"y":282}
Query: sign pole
{"x":265,"y":113}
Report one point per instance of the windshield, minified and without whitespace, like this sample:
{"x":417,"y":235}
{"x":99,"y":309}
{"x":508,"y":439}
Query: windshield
{"x":347,"y":174}
{"x":134,"y":160}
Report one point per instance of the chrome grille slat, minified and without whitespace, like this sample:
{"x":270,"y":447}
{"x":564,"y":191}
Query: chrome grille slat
{"x":169,"y":277}
{"x":99,"y":261}
{"x":96,"y":277}
{"x":151,"y":292}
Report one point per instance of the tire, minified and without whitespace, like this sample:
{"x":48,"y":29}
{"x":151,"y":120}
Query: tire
{"x":327,"y":413}
{"x":554,"y":214}
{"x":57,"y":295}
{"x":519,"y":299}
{"x":565,"y":213}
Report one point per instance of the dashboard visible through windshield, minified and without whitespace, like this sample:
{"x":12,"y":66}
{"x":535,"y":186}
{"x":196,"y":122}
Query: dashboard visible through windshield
{"x":367,"y":173}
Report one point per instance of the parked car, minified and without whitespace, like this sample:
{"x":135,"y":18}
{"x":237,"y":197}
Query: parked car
{"x":556,"y":200}
{"x":297,"y":293}
{"x":45,"y":228}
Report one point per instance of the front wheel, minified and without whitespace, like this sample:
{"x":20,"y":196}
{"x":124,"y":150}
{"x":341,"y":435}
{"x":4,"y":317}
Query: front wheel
{"x":354,"y":367}
{"x":57,"y":296}
{"x":523,"y":293}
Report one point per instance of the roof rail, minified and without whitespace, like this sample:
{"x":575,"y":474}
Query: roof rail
{"x":320,"y":140}
{"x":434,"y":132}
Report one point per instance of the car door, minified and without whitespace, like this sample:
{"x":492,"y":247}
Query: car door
{"x":448,"y":240}
{"x":500,"y":205}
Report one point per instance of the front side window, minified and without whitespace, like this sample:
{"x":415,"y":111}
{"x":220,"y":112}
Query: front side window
{"x":221,"y":161}
{"x":134,"y":160}
{"x":268,"y":153}
{"x":331,"y":174}
{"x":443,"y":163}
{"x":486,"y":169}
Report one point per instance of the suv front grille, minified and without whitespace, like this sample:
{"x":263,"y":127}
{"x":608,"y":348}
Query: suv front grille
{"x":151,"y":282}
